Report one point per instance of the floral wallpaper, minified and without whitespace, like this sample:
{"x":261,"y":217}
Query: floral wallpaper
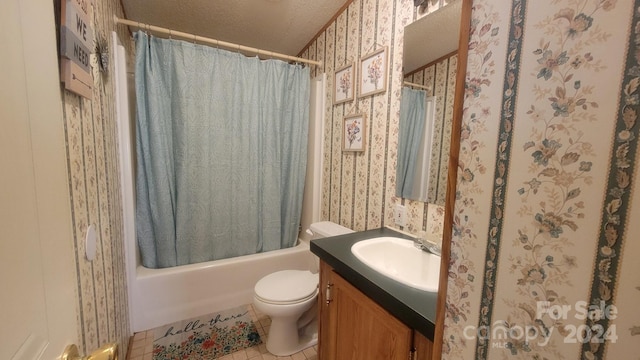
{"x":542,"y":258}
{"x":465,"y":274}
{"x":543,"y":206}
{"x":90,"y":131}
{"x":541,"y":262}
{"x":359,"y":188}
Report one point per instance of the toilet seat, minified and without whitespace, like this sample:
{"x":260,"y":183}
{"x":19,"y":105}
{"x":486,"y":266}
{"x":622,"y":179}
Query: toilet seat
{"x":287,"y":287}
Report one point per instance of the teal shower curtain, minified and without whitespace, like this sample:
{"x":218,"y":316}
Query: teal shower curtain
{"x":221,"y":152}
{"x":412,"y":123}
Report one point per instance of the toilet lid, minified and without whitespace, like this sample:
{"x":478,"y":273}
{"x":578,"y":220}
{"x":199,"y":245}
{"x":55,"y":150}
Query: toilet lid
{"x":287,"y":286}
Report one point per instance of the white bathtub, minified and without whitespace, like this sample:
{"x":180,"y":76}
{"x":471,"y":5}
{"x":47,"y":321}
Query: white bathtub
{"x":162,"y":296}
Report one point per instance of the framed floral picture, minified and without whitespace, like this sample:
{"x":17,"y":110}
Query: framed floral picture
{"x":344,"y":84}
{"x":373,"y":73}
{"x":353,"y":133}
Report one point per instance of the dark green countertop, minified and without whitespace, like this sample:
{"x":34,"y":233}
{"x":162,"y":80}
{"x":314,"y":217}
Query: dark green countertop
{"x":415,"y":308}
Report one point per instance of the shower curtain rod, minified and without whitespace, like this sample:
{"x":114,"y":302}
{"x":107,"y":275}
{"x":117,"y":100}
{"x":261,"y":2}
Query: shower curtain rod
{"x":417,"y":85}
{"x":202,"y":39}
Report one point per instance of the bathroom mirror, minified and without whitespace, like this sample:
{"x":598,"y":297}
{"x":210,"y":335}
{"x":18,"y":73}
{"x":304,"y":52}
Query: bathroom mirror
{"x":429,"y":70}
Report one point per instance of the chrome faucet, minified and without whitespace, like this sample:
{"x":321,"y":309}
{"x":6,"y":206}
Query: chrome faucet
{"x":430,"y":247}
{"x":422,"y":243}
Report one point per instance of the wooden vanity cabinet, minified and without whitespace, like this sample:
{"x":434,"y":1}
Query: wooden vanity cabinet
{"x":352,"y":326}
{"x":423,"y":346}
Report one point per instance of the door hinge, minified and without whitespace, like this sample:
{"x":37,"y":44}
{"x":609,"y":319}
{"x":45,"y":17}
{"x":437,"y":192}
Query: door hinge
{"x":328,"y":293}
{"x":413,"y":353}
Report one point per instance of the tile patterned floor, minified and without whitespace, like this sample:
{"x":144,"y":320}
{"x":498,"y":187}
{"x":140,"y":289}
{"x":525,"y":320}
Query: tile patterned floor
{"x":141,"y":346}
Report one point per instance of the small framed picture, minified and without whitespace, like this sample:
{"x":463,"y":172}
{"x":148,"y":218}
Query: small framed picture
{"x":344,"y":84}
{"x":373,"y":73}
{"x":353,"y":133}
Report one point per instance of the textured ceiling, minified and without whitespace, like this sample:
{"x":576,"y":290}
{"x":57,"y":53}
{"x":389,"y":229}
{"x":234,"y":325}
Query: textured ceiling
{"x":283,"y":26}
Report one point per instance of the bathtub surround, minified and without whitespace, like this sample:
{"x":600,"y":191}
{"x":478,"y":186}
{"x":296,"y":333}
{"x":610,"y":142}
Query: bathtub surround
{"x":221,"y":164}
{"x":191,"y":290}
{"x":234,"y":278}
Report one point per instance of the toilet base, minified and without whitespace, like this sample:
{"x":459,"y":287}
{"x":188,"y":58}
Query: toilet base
{"x":282,"y":344}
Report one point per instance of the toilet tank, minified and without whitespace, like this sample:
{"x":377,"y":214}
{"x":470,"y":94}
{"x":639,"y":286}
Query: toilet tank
{"x":319,"y":230}
{"x":327,"y":228}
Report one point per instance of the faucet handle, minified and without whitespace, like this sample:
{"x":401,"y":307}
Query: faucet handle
{"x":419,"y":239}
{"x":431,"y":244}
{"x":432,"y":247}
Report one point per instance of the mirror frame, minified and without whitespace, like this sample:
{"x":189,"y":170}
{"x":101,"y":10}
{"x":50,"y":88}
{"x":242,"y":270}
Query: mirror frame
{"x":452,"y":176}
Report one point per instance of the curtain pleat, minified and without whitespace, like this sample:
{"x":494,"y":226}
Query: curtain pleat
{"x":221,"y":152}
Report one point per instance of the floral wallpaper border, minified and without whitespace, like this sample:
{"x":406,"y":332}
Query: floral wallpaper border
{"x":548,"y":260}
{"x":514,"y":51}
{"x":620,"y":183}
{"x":554,"y":205}
{"x":474,"y":163}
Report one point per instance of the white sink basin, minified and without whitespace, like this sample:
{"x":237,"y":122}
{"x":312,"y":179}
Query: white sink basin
{"x":401,"y":261}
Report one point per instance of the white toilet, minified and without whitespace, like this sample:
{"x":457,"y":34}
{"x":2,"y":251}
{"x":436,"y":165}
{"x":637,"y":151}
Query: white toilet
{"x":289,"y":297}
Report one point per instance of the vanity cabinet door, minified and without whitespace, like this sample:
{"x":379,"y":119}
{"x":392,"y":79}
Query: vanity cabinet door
{"x":423,"y":346}
{"x":352,"y":326}
{"x":324,"y":321}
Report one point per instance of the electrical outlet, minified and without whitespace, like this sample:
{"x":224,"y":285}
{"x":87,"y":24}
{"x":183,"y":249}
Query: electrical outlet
{"x":400,"y":215}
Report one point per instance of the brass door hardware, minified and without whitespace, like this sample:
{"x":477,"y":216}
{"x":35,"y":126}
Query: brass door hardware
{"x":106,"y":352}
{"x":328,"y":293}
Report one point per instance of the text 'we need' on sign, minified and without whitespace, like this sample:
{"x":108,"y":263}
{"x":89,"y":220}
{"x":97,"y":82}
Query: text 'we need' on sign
{"x":76,"y":40}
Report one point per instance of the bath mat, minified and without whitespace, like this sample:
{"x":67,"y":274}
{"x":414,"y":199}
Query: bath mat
{"x":206,"y":337}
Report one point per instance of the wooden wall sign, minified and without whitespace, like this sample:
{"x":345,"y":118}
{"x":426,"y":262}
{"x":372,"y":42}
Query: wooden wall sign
{"x":76,"y":40}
